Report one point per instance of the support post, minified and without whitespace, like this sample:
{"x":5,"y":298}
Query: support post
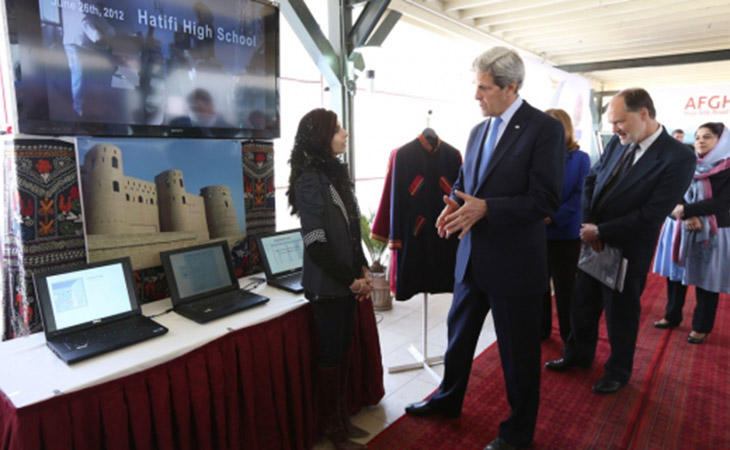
{"x":423,"y":361}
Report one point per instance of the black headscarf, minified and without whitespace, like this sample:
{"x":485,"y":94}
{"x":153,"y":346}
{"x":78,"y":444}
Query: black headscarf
{"x":313,"y":150}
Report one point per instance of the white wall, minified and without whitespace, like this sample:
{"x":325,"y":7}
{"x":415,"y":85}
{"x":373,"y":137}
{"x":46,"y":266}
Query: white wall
{"x":415,"y":71}
{"x":687,"y":107}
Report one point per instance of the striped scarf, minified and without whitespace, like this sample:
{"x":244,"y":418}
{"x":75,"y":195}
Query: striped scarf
{"x":713,"y":162}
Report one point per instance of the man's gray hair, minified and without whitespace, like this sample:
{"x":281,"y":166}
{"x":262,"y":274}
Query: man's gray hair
{"x":503,"y":64}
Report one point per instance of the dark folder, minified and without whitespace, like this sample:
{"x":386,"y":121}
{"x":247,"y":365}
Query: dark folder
{"x":607,"y":266}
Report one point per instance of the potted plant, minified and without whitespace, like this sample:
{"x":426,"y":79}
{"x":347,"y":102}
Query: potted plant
{"x":382,"y":299}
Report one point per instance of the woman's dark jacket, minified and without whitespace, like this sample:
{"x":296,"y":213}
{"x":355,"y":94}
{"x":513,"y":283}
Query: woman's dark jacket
{"x":333,"y":256}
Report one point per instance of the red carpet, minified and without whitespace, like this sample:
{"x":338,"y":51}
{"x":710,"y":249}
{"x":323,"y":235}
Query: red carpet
{"x":677,"y":397}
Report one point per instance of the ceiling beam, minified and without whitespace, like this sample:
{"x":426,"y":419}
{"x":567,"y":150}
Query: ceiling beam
{"x":454,"y":5}
{"x":640,"y":51}
{"x":596,"y":13}
{"x":314,"y":41}
{"x":712,"y":72}
{"x":384,"y":29}
{"x":619,"y":24}
{"x":667,"y":60}
{"x":542,"y":12}
{"x":442,"y":20}
{"x":642,"y":39}
{"x":508,"y":8}
{"x":365,"y":24}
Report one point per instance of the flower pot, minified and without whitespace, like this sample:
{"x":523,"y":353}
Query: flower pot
{"x":382,"y":300}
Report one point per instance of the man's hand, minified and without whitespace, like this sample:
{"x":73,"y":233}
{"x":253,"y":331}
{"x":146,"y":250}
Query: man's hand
{"x":693,"y":224}
{"x":466,"y":216}
{"x":450,"y":207}
{"x":589,"y":234}
{"x":548,"y":220}
{"x":678,"y":212}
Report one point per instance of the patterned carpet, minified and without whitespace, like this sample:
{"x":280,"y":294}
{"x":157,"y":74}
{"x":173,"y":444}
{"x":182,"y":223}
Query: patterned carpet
{"x":677,"y":397}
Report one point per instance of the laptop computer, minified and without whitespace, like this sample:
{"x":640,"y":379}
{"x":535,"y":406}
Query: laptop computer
{"x":203,"y":286}
{"x":283,"y":255}
{"x":91,"y":310}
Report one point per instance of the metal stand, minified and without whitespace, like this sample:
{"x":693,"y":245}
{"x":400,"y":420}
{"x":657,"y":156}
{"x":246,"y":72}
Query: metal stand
{"x":423,"y":360}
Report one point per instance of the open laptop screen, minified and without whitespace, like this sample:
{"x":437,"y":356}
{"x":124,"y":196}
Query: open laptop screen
{"x":284,"y":251}
{"x":200,"y":270}
{"x":86,"y":295}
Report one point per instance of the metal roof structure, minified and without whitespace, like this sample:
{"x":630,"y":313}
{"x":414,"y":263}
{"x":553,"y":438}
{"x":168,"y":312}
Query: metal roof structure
{"x":612,"y":42}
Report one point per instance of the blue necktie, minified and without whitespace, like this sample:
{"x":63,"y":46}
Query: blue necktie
{"x":488,"y":148}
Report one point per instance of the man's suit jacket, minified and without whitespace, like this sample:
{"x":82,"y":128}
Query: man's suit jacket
{"x":630,"y":214}
{"x":506,"y":250}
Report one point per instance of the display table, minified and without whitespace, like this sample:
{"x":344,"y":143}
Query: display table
{"x":243,"y":381}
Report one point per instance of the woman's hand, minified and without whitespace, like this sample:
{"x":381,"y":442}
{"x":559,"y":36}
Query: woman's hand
{"x":678,"y":212}
{"x":361,"y":286}
{"x":693,"y":224}
{"x":367,"y":275}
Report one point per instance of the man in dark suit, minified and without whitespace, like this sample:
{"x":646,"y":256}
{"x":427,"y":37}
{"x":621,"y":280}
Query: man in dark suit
{"x":641,"y":175}
{"x":510,"y":181}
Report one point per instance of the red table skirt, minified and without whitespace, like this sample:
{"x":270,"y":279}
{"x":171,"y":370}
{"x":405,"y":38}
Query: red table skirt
{"x":252,"y":388}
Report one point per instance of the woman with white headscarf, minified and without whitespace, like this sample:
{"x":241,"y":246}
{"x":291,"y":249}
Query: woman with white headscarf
{"x":694,"y":247}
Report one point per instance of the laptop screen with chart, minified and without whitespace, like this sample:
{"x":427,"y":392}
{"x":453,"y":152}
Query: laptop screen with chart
{"x":92,"y":309}
{"x":85,"y":296}
{"x":283,"y":256}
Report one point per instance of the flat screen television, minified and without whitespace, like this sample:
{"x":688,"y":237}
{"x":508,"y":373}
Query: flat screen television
{"x":165,"y":68}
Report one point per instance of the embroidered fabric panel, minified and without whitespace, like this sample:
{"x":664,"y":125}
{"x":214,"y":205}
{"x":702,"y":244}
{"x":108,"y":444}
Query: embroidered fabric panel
{"x":445,"y":185}
{"x":338,"y":201}
{"x":151,"y":284}
{"x":415,"y":185}
{"x":260,"y":203}
{"x":258,"y":187}
{"x":44,"y":224}
{"x":418,"y":225}
{"x":313,"y":236}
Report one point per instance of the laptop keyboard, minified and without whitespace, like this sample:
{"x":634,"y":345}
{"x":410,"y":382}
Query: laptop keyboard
{"x":291,"y":280}
{"x":221,"y":301}
{"x":291,"y":277}
{"x":119,"y":331}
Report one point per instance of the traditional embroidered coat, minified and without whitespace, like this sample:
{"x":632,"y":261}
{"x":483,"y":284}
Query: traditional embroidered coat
{"x":422,"y":175}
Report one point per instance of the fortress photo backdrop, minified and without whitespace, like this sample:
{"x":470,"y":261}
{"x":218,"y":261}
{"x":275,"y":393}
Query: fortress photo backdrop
{"x":143,"y":196}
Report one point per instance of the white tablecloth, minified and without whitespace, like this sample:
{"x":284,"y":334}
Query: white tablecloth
{"x":30,"y":372}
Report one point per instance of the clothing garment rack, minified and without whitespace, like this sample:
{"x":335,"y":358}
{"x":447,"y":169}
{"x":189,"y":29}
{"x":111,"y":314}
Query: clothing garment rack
{"x":423,"y":361}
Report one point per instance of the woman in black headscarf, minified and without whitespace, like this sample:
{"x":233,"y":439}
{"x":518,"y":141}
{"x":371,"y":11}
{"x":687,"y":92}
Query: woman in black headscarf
{"x":335,"y":270}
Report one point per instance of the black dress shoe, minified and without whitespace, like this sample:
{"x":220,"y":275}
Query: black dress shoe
{"x":427,"y":408}
{"x":563,"y":364}
{"x":607,"y":386}
{"x":499,"y":444}
{"x":664,"y":324}
{"x":696,"y":340}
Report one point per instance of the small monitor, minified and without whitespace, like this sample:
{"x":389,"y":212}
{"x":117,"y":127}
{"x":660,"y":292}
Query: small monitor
{"x":86,"y":296}
{"x":283,"y":252}
{"x":200,"y":270}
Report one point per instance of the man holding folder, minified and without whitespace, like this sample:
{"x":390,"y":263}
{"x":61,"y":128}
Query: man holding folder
{"x":641,"y":175}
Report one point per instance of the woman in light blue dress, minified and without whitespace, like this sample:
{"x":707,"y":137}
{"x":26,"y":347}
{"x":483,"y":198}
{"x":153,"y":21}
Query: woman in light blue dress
{"x":694,"y":247}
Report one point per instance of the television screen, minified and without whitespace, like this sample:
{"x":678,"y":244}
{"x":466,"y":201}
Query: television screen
{"x":146,"y":68}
